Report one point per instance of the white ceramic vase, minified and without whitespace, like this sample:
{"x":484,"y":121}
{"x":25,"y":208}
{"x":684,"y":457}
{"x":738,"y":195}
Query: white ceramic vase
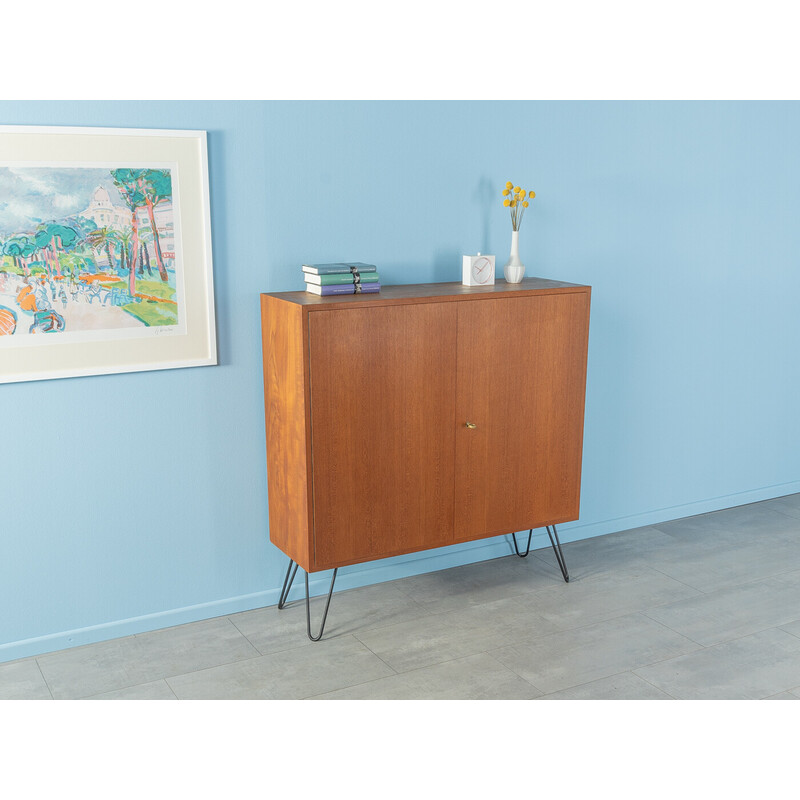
{"x":514,"y":268}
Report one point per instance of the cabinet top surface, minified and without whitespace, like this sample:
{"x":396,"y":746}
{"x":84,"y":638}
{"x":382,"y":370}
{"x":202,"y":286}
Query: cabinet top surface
{"x":431,"y":291}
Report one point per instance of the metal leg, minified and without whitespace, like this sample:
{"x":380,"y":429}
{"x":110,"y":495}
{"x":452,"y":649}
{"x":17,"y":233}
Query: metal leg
{"x":324,"y":616}
{"x":557,"y":550}
{"x":527,"y":549}
{"x":287,"y":584}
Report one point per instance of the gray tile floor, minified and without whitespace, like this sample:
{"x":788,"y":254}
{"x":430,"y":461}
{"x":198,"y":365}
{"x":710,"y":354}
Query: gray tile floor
{"x":706,"y":607}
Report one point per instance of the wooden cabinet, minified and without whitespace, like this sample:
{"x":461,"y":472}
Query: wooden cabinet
{"x":368,"y":397}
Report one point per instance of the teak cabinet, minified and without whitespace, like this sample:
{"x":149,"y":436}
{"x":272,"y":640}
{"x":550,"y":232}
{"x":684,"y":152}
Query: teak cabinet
{"x":421,"y":416}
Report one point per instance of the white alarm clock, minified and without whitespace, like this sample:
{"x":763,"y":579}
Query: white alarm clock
{"x":477,"y":270}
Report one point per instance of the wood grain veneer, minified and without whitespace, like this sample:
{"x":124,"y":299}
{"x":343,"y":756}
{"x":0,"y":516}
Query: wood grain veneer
{"x":521,"y":375}
{"x":382,"y":387}
{"x":287,"y":429}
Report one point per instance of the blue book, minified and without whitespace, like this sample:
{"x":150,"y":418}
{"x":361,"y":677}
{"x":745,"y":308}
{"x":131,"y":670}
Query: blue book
{"x":342,"y":277}
{"x":332,"y":269}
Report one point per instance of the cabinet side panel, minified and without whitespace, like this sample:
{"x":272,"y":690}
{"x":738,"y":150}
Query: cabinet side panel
{"x":580,"y":355}
{"x":287,"y":442}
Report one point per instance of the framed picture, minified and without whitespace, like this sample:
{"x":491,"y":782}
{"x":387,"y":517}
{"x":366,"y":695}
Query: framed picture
{"x":105,"y":252}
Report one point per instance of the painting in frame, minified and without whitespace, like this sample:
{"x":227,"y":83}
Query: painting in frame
{"x":105,"y":252}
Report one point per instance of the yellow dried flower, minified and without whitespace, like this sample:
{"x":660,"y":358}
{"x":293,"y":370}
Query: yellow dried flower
{"x":517,"y":189}
{"x":513,"y":203}
{"x":532,"y":194}
{"x":525,"y":203}
{"x":506,"y":202}
{"x":505,"y":192}
{"x":509,"y":185}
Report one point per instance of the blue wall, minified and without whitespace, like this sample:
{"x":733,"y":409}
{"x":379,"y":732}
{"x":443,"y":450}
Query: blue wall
{"x":682,"y":216}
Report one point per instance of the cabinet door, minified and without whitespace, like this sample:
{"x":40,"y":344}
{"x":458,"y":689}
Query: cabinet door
{"x":383,"y":430}
{"x":521,"y":379}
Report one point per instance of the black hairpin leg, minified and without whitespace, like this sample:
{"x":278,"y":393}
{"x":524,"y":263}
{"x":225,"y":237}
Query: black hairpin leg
{"x":527,"y":549}
{"x":287,"y":585}
{"x":324,"y":616}
{"x":557,"y":550}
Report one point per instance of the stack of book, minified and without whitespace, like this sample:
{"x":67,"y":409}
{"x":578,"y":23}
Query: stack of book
{"x":345,"y":278}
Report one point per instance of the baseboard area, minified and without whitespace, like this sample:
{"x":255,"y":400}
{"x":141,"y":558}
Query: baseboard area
{"x":378,"y":572}
{"x":574,"y":531}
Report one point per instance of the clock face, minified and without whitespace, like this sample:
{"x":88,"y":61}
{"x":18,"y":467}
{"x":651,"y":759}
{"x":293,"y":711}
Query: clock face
{"x":481,"y":270}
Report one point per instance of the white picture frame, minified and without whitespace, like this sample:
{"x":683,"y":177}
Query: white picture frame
{"x":62,"y":332}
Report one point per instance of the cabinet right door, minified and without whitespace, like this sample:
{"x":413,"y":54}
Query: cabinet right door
{"x":521,"y":375}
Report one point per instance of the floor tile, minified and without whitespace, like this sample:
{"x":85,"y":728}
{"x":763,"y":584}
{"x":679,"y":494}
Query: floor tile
{"x":22,"y":680}
{"x":483,"y":582}
{"x":625,"y":686}
{"x":752,"y":558}
{"x":570,"y":658}
{"x":156,"y":690}
{"x":792,"y":627}
{"x":133,"y":660}
{"x":789,"y":505}
{"x":707,"y":551}
{"x":733,"y":612}
{"x":444,"y":637}
{"x":290,"y":674}
{"x":752,"y":667}
{"x":271,"y":630}
{"x":730,"y":526}
{"x":613,"y":552}
{"x":730,"y":547}
{"x":607,"y":595}
{"x":477,"y":677}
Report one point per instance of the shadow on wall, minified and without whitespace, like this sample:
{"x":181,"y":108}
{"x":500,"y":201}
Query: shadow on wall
{"x":447,"y":260}
{"x":485,"y":196}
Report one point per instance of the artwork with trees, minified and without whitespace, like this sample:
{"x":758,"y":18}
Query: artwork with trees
{"x":87,"y":249}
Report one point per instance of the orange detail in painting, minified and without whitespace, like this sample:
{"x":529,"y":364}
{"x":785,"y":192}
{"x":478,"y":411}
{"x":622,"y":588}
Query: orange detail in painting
{"x":8,"y":321}
{"x":26,"y":299}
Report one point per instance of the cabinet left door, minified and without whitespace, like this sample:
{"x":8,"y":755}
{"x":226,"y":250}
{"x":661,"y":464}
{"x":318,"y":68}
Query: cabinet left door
{"x":382,"y":430}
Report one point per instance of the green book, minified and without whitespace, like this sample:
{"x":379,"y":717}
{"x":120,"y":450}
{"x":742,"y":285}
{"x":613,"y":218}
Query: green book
{"x":327,"y":269}
{"x":328,"y":280}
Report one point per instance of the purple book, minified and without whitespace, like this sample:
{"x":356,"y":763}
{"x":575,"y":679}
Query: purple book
{"x":342,"y":288}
